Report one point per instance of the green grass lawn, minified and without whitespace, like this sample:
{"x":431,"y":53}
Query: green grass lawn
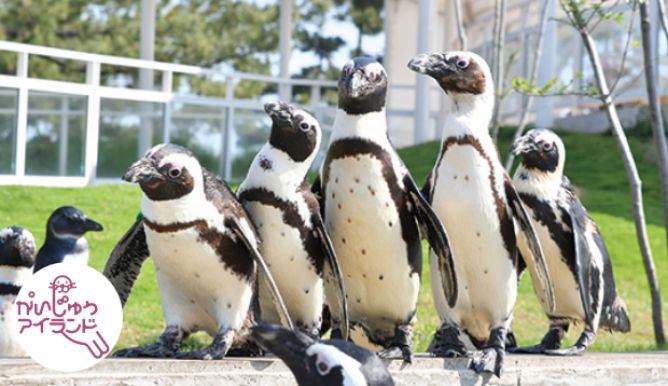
{"x":592,"y":164}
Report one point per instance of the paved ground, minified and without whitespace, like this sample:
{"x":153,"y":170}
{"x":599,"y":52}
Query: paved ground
{"x":590,"y":369}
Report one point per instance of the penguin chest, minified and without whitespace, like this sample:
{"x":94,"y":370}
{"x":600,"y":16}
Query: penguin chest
{"x":197,"y":291}
{"x":467,"y":192}
{"x":79,"y":254}
{"x":9,"y":344}
{"x":365,"y":228}
{"x":291,"y":266}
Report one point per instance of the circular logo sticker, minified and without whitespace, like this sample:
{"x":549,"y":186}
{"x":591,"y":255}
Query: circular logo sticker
{"x":68,"y":317}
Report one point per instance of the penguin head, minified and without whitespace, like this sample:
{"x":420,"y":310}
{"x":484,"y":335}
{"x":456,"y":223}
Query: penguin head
{"x":70,"y":222}
{"x":166,"y":172}
{"x":333,"y":362}
{"x":362,"y":86}
{"x":293,"y":130}
{"x":541,"y":150}
{"x":17,"y":247}
{"x":457,"y":72}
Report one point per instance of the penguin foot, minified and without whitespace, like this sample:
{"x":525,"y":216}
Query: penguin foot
{"x":535,"y":349}
{"x":155,"y":350}
{"x":564,"y":352}
{"x":489,"y":361}
{"x":216,"y":350}
{"x":446,"y":343}
{"x":397,"y":352}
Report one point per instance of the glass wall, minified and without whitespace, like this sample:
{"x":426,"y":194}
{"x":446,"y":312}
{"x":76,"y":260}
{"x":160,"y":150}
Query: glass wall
{"x":121,"y":123}
{"x":55,"y":135}
{"x":200,"y":129}
{"x":252,"y":129}
{"x":8,"y":101}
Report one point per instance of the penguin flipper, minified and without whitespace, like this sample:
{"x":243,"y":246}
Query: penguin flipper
{"x":316,"y":189}
{"x":240,"y":231}
{"x":335,"y":271}
{"x":126,"y":260}
{"x":437,"y":238}
{"x":536,"y":251}
{"x":583,"y":257}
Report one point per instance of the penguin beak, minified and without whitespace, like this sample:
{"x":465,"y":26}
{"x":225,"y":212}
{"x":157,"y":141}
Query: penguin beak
{"x":356,"y":85}
{"x":286,"y":344}
{"x":91,"y":225}
{"x":523,"y":145}
{"x":433,"y":64}
{"x":279,"y":112}
{"x":143,"y":171}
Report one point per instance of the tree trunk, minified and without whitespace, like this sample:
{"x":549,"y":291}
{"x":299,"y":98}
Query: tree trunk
{"x":632,"y":172}
{"x":528,"y":100}
{"x":662,"y":16}
{"x":499,"y":43}
{"x":461,"y":32}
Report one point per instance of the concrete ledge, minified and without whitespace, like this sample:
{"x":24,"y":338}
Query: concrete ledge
{"x":590,"y":369}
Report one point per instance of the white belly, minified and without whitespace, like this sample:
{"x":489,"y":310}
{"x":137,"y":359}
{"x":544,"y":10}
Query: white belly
{"x":9,"y":343}
{"x":487,"y":280}
{"x":365,"y":230}
{"x":296,"y":277}
{"x":196,"y":290}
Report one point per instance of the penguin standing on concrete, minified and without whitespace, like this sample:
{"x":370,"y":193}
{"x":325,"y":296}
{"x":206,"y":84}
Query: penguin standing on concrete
{"x":204,"y":249}
{"x":473,"y":196}
{"x":65,"y":241}
{"x":325,"y":363}
{"x":374,"y":211}
{"x":17,"y":257}
{"x":576,"y":255}
{"x":295,"y":243}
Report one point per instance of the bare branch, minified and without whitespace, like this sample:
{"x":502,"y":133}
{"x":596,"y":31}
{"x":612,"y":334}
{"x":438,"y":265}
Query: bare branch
{"x":461,"y":33}
{"x":528,"y":99}
{"x":497,"y":73}
{"x":662,"y":16}
{"x":625,"y":54}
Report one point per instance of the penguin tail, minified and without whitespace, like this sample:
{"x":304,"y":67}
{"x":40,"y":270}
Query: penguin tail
{"x":615,"y":317}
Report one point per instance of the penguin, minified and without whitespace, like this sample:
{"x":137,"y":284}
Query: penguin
{"x":17,"y":257}
{"x":575,"y":251}
{"x":374,"y":213}
{"x":295,"y":243}
{"x":474,"y":198}
{"x":332,"y":362}
{"x":205,"y":251}
{"x":65,"y":241}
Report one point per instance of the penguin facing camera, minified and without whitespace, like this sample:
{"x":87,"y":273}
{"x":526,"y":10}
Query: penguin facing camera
{"x":575,"y":251}
{"x":65,"y":241}
{"x":17,"y":257}
{"x":375,"y":216}
{"x":325,"y":363}
{"x":295,"y":243}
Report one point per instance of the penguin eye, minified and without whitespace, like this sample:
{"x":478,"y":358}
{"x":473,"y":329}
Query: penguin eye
{"x":547,"y":146}
{"x":462,"y":63}
{"x":323,"y":368}
{"x":174,"y":173}
{"x":304,"y":126}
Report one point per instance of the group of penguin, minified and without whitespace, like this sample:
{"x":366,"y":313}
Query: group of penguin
{"x":19,"y":259}
{"x":277,"y":263}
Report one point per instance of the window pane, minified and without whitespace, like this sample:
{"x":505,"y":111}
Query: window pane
{"x":252,"y":129}
{"x":200,"y":129}
{"x":8,"y":100}
{"x":55,"y":135}
{"x":120,"y":123}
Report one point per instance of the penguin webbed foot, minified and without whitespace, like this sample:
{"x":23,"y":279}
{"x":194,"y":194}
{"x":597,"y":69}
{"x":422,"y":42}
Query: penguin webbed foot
{"x":586,"y":339}
{"x":446,"y":343}
{"x":490,"y":360}
{"x":550,"y":342}
{"x":165,"y":347}
{"x":397,"y":352}
{"x":216,"y":350}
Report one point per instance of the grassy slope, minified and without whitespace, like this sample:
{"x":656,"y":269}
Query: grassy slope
{"x":592,"y":164}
